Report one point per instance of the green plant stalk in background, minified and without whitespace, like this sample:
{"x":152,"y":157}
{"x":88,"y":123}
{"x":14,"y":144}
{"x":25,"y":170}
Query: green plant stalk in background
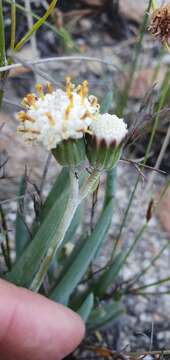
{"x":36,"y":26}
{"x":62,"y":33}
{"x":13,"y":24}
{"x":154,"y":5}
{"x":123,"y":98}
{"x":2,"y":38}
{"x":2,"y":52}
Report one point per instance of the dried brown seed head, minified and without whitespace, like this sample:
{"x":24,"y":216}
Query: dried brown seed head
{"x":160,"y":23}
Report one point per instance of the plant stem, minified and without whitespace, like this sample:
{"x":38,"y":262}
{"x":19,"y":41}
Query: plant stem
{"x":123,"y":99}
{"x":89,"y":185}
{"x":110,"y":185}
{"x":125,"y":218}
{"x":2,"y":52}
{"x":13,"y":24}
{"x":165,"y":89}
{"x":159,"y":159}
{"x":60,"y":59}
{"x":2,"y":37}
{"x":147,"y":268}
{"x":159,"y":282}
{"x":60,"y":33}
{"x":30,"y":26}
{"x":36,"y":26}
{"x":154,"y":5}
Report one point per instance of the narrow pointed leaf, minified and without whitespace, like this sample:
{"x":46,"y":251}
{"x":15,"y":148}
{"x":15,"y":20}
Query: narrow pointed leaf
{"x":22,"y":235}
{"x":86,"y":307}
{"x":104,"y":315}
{"x":26,"y":267}
{"x":83,"y":259}
{"x":109,"y":276}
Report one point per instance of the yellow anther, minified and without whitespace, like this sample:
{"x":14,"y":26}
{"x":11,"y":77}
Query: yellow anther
{"x":29,"y":100}
{"x":49,"y":87}
{"x":79,"y":90}
{"x":88,"y":114}
{"x":50,"y":119}
{"x":30,"y":131}
{"x":94,"y":101}
{"x":85,"y":87}
{"x":23,"y":116}
{"x":69,"y":86}
{"x":69,"y":93}
{"x":39,"y":89}
{"x":69,"y":107}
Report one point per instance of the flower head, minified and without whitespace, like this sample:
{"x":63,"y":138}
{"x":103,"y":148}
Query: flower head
{"x":160,"y":23}
{"x":109,"y":129}
{"x":57,"y":115}
{"x":105,"y":141}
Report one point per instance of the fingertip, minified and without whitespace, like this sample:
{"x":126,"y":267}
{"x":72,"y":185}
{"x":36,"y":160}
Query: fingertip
{"x":74,"y":331}
{"x":38,"y":328}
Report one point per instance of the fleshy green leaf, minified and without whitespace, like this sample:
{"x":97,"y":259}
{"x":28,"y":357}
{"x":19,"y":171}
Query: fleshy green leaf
{"x":86,"y":307}
{"x":104,"y":315}
{"x":22,"y":234}
{"x":109,"y":276}
{"x":25,"y":268}
{"x":84,"y":257}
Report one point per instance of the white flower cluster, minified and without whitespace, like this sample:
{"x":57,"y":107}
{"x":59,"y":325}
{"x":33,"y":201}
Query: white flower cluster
{"x":109,"y":128}
{"x":57,"y":115}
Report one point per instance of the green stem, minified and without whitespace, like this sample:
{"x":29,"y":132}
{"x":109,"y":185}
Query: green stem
{"x":159,"y":282}
{"x":2,"y":38}
{"x":110,"y":185}
{"x":124,"y":218}
{"x":147,"y":268}
{"x":2,"y":52}
{"x":89,"y":185}
{"x":46,"y":23}
{"x":154,"y":5}
{"x":165,"y":89}
{"x":36,"y":26}
{"x":123,"y":99}
{"x":13,"y":24}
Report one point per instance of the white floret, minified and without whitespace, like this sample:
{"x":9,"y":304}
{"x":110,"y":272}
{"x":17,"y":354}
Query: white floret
{"x":109,"y":127}
{"x":51,"y":133}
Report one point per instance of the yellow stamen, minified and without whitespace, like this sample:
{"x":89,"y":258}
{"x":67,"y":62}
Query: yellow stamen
{"x":39,"y":89}
{"x":49,"y":87}
{"x":79,"y":90}
{"x":69,"y":86}
{"x":69,"y":93}
{"x":93,"y":100}
{"x":23,"y":116}
{"x":29,"y":100}
{"x":85,"y":87}
{"x":50,"y":119}
{"x":88,"y":114}
{"x":31,"y":131}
